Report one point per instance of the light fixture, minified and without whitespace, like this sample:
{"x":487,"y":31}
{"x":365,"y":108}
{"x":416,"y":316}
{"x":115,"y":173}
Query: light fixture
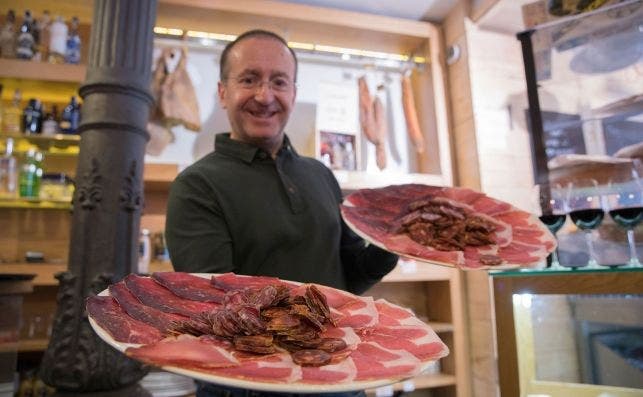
{"x":345,"y":53}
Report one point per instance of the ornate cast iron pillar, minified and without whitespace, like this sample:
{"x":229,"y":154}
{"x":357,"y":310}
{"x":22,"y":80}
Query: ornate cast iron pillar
{"x":109,"y":194}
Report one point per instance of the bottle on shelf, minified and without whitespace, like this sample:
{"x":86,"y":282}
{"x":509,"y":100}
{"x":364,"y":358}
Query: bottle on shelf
{"x":31,"y":174}
{"x":57,"y":40}
{"x":70,"y":118}
{"x":11,"y":119}
{"x":72,"y":52}
{"x":41,"y":36}
{"x":25,"y":42}
{"x":50,"y":123}
{"x":1,"y":110}
{"x":8,"y":36}
{"x":32,"y":117}
{"x":8,"y":172}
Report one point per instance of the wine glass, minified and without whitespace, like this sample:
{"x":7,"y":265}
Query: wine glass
{"x":550,"y":208}
{"x":624,"y":201}
{"x":586,"y":211}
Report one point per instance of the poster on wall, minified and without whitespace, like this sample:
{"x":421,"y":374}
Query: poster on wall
{"x":337,"y":127}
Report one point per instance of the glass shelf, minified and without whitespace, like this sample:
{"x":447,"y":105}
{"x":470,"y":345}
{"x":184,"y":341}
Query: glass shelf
{"x":27,"y":203}
{"x":56,"y":145}
{"x":578,"y":270}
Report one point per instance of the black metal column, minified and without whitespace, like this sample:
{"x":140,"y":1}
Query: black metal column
{"x":538,"y":153}
{"x":109,"y":194}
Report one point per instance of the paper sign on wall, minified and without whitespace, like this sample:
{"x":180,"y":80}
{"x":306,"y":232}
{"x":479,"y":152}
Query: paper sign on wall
{"x":337,"y":126}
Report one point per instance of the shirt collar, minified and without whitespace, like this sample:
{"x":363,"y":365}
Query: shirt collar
{"x":245,"y":151}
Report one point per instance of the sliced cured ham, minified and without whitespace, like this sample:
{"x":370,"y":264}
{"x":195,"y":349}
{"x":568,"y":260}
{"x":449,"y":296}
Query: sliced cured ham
{"x":111,"y":317}
{"x":342,"y":372}
{"x":185,"y":350}
{"x":421,"y":341}
{"x":277,"y":368}
{"x":149,"y":315}
{"x":189,"y":286}
{"x":448,"y":226}
{"x":374,"y":361}
{"x":153,"y":294}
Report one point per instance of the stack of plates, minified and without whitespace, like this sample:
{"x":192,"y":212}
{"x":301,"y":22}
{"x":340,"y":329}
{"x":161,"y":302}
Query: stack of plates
{"x":6,"y":389}
{"x":165,"y":384}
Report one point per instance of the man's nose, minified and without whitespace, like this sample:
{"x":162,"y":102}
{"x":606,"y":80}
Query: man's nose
{"x":263,"y":92}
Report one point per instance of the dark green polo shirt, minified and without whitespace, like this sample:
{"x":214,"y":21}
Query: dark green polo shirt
{"x":239,"y":210}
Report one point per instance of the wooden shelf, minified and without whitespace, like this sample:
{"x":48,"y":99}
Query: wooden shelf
{"x":419,"y":382}
{"x":411,"y":270}
{"x":439,"y":327}
{"x":44,"y":271}
{"x":32,"y":70}
{"x":24,"y":203}
{"x":32,"y":345}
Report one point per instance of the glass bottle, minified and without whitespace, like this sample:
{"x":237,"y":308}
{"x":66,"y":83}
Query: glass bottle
{"x":50,"y":123}
{"x":12,"y":115}
{"x":31,"y":174}
{"x":70,"y":118}
{"x":32,"y":117}
{"x":8,"y":36}
{"x":41,"y":36}
{"x":8,"y":172}
{"x":72,"y":52}
{"x":1,"y":110}
{"x":57,"y":41}
{"x":25,"y":42}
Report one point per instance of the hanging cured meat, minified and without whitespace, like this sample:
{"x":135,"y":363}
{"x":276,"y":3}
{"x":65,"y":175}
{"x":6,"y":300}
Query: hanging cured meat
{"x":379,"y":116}
{"x":366,"y":116}
{"x":266,"y":334}
{"x":448,"y":226}
{"x":410,"y":114}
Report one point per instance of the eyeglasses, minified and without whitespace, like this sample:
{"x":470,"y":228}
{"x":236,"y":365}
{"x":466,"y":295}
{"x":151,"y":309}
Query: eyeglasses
{"x":252,"y":82}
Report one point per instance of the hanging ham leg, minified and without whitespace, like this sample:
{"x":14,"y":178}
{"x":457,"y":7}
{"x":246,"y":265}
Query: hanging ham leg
{"x":380,"y":127}
{"x":410,"y":113}
{"x":366,"y":117}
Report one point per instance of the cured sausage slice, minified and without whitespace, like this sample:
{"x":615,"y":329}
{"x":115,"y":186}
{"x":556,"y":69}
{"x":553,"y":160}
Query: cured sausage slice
{"x":311,"y":358}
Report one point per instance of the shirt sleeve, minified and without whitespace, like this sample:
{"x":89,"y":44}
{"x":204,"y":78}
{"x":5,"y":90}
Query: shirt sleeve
{"x":195,"y":229}
{"x":363,"y":264}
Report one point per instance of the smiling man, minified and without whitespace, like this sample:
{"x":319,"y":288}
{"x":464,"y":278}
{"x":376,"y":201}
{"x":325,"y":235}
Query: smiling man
{"x":254,"y":205}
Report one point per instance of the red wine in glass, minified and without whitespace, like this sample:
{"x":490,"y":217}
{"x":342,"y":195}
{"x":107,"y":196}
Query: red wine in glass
{"x":587,"y":219}
{"x":553,"y":221}
{"x":628,"y":218}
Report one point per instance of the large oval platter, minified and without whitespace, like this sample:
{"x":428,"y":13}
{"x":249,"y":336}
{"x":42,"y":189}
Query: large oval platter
{"x":260,"y":384}
{"x":375,"y":214}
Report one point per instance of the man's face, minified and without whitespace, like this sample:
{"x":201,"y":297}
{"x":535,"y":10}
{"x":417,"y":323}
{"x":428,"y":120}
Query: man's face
{"x":259,"y":91}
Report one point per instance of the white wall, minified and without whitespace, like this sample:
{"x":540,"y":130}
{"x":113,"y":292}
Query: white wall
{"x":204,"y":73}
{"x":499,"y":99}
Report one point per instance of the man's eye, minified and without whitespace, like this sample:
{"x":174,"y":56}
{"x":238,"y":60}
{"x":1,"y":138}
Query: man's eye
{"x":280,"y":83}
{"x":247,"y":81}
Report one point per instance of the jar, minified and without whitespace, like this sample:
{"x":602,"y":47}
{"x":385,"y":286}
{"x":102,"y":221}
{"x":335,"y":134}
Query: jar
{"x":56,"y":187}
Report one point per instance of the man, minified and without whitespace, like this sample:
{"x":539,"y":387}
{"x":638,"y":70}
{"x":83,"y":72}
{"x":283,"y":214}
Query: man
{"x":254,"y":206}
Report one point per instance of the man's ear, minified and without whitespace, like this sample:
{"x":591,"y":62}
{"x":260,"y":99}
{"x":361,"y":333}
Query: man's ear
{"x":221,"y":91}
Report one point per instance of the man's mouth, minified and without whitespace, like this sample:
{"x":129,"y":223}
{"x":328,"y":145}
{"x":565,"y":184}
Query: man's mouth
{"x":262,"y":113}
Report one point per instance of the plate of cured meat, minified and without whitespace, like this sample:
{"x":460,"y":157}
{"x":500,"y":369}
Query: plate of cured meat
{"x":263,"y":333}
{"x":448,"y":226}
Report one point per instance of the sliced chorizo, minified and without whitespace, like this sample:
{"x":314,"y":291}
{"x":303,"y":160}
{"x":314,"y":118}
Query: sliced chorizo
{"x":311,"y":357}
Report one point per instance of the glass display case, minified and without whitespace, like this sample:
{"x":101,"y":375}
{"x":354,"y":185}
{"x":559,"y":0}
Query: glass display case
{"x":569,"y":333}
{"x":584,"y":78}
